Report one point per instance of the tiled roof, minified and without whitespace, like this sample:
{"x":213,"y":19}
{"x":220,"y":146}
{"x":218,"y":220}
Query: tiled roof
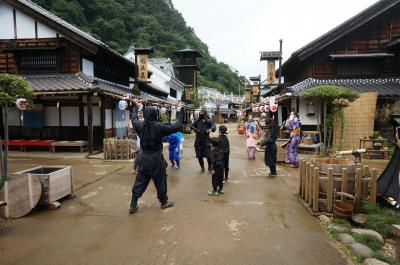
{"x":384,"y":86}
{"x":73,"y":82}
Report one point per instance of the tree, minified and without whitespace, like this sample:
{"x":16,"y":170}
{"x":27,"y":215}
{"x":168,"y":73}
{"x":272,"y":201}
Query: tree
{"x":11,"y":88}
{"x":332,"y":100}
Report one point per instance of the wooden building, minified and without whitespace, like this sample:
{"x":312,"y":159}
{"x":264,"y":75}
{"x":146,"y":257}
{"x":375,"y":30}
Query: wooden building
{"x":363,"y":54}
{"x":76,"y":78}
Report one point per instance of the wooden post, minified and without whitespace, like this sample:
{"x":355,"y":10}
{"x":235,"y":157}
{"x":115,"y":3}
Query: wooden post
{"x":365,"y":185}
{"x":301,"y":175}
{"x":372,"y":195}
{"x":306,"y":182}
{"x":90,"y":123}
{"x":358,"y":187}
{"x":330,"y":190}
{"x":303,"y":188}
{"x":345,"y":179}
{"x":310,"y":188}
{"x":396,"y":232}
{"x":316,"y":190}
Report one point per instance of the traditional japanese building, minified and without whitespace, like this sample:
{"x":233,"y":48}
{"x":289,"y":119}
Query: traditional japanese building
{"x":76,"y":78}
{"x":362,"y":54}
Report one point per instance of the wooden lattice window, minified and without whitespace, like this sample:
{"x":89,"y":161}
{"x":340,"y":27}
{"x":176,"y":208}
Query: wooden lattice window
{"x":34,"y":62}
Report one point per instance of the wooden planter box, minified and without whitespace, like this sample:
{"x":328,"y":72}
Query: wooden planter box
{"x":56,"y":182}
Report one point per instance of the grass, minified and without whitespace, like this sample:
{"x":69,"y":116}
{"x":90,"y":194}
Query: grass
{"x":381,"y":220}
{"x":369,"y":241}
{"x":380,"y":256}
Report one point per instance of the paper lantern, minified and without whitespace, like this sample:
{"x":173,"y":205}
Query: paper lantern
{"x":163,"y":110}
{"x":267,"y":108}
{"x":262,"y":108}
{"x":274,"y":108}
{"x":257,"y":109}
{"x":21,"y":103}
{"x":122,"y":104}
{"x":254,"y":109}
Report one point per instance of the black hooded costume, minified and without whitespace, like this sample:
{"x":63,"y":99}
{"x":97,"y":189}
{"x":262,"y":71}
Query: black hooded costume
{"x":203,"y":126}
{"x":152,"y":165}
{"x":270,"y":147}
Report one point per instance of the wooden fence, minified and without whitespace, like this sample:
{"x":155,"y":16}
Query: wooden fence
{"x":117,"y":149}
{"x":311,"y":177}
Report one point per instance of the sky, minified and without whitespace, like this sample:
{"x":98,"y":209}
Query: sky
{"x":237,"y":30}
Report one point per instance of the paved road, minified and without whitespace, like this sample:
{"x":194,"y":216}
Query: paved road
{"x":257,"y":221}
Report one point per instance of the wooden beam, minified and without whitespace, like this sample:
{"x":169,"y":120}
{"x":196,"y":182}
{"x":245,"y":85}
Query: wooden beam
{"x":90,"y":123}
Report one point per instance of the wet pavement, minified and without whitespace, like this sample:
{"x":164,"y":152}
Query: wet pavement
{"x":258,"y":220}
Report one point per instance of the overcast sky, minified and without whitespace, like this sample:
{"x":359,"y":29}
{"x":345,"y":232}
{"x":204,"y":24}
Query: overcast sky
{"x":237,"y":30}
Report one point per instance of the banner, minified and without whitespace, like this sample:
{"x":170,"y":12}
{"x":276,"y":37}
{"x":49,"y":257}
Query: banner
{"x":271,"y":79}
{"x":143,"y":67}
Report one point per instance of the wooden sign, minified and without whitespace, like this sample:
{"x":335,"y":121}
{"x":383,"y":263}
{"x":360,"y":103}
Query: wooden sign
{"x":256,"y":89}
{"x":271,"y":79}
{"x":143,"y":67}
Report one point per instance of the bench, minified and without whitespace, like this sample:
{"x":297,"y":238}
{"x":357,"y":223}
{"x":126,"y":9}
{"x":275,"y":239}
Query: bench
{"x":81,"y":144}
{"x":23,"y":144}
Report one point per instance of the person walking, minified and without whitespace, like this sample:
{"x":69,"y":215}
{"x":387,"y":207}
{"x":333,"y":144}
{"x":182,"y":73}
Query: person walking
{"x":217,"y":167}
{"x":251,"y":143}
{"x":202,"y":127}
{"x":270,"y":147}
{"x":152,"y":165}
{"x":250,"y":126}
{"x":224,"y":146}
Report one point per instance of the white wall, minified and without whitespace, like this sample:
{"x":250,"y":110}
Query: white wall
{"x":51,"y":117}
{"x":304,"y":118}
{"x":14,"y":118}
{"x":25,"y":26}
{"x":87,"y":67}
{"x":6,"y":22}
{"x":109,"y":114}
{"x":70,"y":116}
{"x":45,"y":32}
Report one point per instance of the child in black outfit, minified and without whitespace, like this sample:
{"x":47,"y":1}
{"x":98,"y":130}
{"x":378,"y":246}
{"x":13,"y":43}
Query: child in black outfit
{"x":217,"y":167}
{"x":224,"y":146}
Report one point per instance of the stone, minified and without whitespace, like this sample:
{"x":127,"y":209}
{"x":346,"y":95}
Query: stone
{"x":345,"y":238}
{"x":372,"y":261}
{"x":361,"y":250}
{"x":324,"y":219}
{"x":359,"y":219}
{"x":337,"y":227}
{"x":369,"y":232}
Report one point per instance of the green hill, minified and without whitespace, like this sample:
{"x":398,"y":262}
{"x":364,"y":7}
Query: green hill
{"x":121,"y":23}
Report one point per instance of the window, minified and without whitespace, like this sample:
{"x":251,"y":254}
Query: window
{"x":38,"y":62}
{"x":358,"y":69}
{"x":172,"y":93}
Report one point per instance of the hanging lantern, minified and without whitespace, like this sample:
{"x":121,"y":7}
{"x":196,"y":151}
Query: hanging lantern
{"x":21,"y":103}
{"x":254,"y":109}
{"x":257,"y":109}
{"x":122,"y":104}
{"x":267,"y":108}
{"x":163,"y":110}
{"x":274,"y":108}
{"x":262,"y":108}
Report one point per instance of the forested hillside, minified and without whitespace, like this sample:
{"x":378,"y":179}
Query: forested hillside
{"x":121,"y":23}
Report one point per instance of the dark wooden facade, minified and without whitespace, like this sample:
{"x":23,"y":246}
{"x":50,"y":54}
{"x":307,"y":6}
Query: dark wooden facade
{"x":374,"y":36}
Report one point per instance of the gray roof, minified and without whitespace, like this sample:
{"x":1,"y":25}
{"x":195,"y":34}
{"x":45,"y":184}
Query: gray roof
{"x":384,"y":86}
{"x":73,"y":82}
{"x":66,"y":25}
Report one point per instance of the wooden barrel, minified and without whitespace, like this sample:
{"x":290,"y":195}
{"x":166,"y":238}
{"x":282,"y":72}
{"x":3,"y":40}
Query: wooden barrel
{"x":342,"y":210}
{"x":337,"y":165}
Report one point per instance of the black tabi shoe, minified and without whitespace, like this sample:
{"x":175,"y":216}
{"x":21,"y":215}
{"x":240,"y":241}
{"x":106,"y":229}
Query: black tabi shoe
{"x":168,"y":204}
{"x":133,"y":210}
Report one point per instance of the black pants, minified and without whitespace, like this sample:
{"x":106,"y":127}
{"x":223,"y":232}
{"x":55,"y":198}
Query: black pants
{"x":272,"y":169}
{"x":201,"y":162}
{"x":152,"y":166}
{"x":226,"y":166}
{"x":217,"y":178}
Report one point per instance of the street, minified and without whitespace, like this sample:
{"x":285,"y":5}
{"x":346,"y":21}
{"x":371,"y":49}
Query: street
{"x":258,"y":220}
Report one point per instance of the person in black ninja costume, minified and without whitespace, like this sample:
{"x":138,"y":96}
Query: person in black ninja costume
{"x":152,"y":165}
{"x":203,"y":126}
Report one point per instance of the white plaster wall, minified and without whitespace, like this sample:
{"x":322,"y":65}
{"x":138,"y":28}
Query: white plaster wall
{"x":159,"y":78}
{"x":6,"y":22}
{"x":304,"y":118}
{"x":87,"y":67}
{"x":14,"y":117}
{"x":109,"y":114}
{"x":25,"y":26}
{"x":96,"y":116}
{"x":51,"y":116}
{"x":70,"y":116}
{"x":45,"y":32}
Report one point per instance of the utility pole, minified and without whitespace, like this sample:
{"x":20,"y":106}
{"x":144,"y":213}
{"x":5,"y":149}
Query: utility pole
{"x":280,"y":63}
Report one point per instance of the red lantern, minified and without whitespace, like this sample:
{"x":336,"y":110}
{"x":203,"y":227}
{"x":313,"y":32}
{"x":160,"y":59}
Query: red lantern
{"x":267,"y":108}
{"x":274,"y":108}
{"x":262,"y":108}
{"x":21,"y":103}
{"x":257,"y":109}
